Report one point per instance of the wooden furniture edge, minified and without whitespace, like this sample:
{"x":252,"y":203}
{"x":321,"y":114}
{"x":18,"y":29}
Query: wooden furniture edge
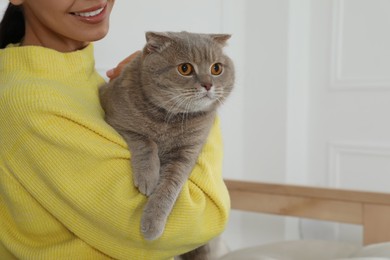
{"x":369,"y":209}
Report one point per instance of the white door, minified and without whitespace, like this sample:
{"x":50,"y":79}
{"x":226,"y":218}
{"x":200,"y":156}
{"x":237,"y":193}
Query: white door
{"x":347,"y":100}
{"x":349,"y":122}
{"x":316,"y":77}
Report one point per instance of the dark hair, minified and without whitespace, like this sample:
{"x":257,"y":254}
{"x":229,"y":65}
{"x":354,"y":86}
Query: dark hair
{"x":12,"y":27}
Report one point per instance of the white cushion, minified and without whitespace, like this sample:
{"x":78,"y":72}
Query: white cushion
{"x":310,"y":250}
{"x":378,"y":250}
{"x":363,"y":258}
{"x":295,"y":250}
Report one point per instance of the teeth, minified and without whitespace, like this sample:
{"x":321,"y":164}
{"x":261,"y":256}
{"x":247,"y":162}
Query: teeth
{"x":89,"y":14}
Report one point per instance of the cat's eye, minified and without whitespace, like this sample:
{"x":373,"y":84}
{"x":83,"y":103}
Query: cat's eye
{"x":185,"y":69}
{"x":216,"y":69}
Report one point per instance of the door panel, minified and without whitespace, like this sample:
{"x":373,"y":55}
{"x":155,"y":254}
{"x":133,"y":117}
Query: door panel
{"x":349,"y":126}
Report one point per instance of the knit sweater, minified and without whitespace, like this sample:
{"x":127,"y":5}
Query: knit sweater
{"x":66,"y":188}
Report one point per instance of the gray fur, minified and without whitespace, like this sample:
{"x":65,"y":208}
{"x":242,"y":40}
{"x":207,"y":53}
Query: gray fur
{"x":165,"y":117}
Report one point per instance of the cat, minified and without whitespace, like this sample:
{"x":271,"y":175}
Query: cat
{"x":164,"y":104}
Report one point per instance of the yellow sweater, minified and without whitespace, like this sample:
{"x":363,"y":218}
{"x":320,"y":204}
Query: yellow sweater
{"x":66,"y":190}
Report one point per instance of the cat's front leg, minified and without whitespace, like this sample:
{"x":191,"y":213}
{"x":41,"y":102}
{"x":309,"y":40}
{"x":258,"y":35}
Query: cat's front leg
{"x":158,"y":207}
{"x":173,"y":175}
{"x":145,"y":162}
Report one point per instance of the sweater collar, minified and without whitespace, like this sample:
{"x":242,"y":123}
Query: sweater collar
{"x":41,"y":59}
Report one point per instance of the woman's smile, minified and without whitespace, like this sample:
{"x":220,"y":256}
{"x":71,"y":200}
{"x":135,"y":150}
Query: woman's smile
{"x":92,"y":15}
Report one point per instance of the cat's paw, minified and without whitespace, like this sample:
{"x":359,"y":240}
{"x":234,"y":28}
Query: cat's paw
{"x":146,"y":182}
{"x":152,"y":227}
{"x":146,"y":174}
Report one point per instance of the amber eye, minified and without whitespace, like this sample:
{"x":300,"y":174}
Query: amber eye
{"x":185,"y":69}
{"x":216,"y":69}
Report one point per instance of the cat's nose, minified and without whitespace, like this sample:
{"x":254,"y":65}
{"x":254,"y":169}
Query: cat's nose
{"x":207,"y":86}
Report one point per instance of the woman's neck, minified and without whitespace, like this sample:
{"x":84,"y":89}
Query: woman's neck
{"x":48,"y":39}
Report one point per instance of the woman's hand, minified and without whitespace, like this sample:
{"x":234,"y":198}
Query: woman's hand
{"x":113,"y":73}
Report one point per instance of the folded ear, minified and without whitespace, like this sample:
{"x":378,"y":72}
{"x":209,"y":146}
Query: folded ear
{"x":156,"y":41}
{"x":220,"y":38}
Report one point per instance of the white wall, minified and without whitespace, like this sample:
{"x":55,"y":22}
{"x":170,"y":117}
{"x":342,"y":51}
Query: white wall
{"x":3,"y":5}
{"x":131,"y":19}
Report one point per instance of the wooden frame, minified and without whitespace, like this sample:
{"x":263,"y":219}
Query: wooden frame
{"x":369,"y":209}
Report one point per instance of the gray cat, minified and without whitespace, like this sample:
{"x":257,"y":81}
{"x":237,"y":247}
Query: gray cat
{"x":164,"y":104}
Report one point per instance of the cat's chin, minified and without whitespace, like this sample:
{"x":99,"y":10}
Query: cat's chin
{"x":200,"y":104}
{"x":203,"y":105}
{"x":196,"y":107}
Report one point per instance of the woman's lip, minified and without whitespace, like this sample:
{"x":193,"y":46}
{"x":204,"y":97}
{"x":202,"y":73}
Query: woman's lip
{"x":91,"y":9}
{"x":92,"y":19}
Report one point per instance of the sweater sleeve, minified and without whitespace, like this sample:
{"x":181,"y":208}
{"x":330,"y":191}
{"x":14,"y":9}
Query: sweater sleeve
{"x":78,"y":169}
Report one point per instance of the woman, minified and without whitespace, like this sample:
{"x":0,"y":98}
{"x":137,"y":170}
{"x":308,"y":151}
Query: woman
{"x":66,"y":188}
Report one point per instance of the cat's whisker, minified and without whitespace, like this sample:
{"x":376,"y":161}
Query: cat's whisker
{"x":187,"y":112}
{"x":178,"y":101}
{"x":220,"y":100}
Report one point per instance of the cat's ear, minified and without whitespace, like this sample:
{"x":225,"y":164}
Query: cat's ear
{"x":156,"y":41}
{"x":220,"y":38}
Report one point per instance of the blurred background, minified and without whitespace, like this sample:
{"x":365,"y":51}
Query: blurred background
{"x":311,"y":102}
